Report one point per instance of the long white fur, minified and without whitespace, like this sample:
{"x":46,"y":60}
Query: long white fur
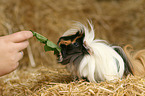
{"x":101,"y":64}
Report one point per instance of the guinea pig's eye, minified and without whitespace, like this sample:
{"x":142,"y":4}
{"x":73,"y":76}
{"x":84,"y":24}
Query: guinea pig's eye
{"x":76,"y":44}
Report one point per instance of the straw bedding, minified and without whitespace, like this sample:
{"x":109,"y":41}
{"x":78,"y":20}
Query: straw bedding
{"x":119,"y":22}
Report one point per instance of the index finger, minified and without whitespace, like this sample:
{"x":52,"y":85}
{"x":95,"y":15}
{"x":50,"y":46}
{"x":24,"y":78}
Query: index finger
{"x":20,"y":36}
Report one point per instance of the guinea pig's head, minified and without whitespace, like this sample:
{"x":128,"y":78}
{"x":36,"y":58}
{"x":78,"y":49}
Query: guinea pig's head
{"x":72,"y":46}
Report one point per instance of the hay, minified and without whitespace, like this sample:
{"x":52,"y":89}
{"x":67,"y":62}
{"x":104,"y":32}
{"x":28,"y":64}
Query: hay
{"x":123,"y":21}
{"x":46,"y":82}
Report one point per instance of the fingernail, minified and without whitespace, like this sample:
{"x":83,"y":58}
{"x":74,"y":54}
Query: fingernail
{"x":30,"y":34}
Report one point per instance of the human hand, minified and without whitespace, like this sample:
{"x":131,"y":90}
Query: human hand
{"x":11,"y":47}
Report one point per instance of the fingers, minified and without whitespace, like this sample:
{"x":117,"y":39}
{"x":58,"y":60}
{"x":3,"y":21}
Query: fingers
{"x":20,"y":55}
{"x":20,"y":36}
{"x":22,"y":45}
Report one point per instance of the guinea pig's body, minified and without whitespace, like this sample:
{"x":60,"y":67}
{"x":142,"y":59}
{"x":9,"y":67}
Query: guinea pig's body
{"x":91,"y":58}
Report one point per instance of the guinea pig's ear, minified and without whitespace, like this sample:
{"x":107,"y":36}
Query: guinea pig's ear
{"x":77,"y":33}
{"x":81,"y":33}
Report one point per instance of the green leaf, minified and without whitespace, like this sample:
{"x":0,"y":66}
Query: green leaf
{"x":39,"y":37}
{"x":49,"y":45}
{"x":46,"y":48}
{"x":58,"y":49}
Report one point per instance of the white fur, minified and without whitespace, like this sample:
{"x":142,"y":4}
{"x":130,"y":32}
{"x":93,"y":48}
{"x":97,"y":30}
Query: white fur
{"x":101,"y":64}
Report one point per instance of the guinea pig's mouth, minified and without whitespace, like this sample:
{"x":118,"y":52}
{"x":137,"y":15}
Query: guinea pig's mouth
{"x":62,"y":60}
{"x":68,"y":59}
{"x":59,"y":58}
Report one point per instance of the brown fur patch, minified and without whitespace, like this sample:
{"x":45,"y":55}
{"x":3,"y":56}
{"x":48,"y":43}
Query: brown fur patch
{"x":77,"y":37}
{"x":65,"y":42}
{"x":137,"y":59}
